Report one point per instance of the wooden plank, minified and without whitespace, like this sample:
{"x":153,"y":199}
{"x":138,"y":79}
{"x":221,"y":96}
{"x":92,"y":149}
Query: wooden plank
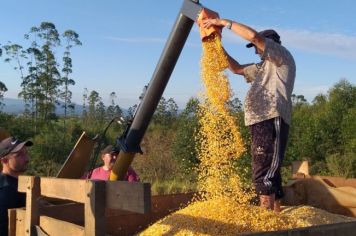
{"x":54,"y":227}
{"x":338,"y":181}
{"x":74,"y":166}
{"x":65,"y":212}
{"x":129,"y":196}
{"x":94,"y":208}
{"x":12,"y":222}
{"x":22,"y":184}
{"x":20,"y":221}
{"x":69,"y":189}
{"x":32,"y":195}
{"x":300,"y":168}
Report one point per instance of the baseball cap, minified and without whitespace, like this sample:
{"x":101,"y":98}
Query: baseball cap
{"x":269,"y":33}
{"x":12,"y":145}
{"x":109,"y":149}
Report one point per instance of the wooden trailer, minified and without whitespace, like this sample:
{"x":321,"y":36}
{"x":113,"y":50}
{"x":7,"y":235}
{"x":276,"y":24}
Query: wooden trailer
{"x":56,"y":206}
{"x":74,"y":207}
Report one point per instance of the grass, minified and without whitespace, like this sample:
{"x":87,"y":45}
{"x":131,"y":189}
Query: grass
{"x":162,"y":187}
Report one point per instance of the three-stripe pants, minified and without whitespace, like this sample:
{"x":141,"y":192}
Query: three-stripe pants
{"x":269,"y":141}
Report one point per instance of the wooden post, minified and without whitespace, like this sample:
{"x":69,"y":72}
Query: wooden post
{"x":300,"y":168}
{"x":94,"y":208}
{"x":33,"y":192}
{"x":12,"y":222}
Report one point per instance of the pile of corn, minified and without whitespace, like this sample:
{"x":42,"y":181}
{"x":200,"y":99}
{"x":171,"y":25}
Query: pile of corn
{"x":223,"y":207}
{"x":227,"y":217}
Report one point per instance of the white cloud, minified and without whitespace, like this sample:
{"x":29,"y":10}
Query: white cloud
{"x":334,"y":44}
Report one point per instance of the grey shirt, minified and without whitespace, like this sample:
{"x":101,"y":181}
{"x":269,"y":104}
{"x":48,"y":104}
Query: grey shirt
{"x":272,"y":82}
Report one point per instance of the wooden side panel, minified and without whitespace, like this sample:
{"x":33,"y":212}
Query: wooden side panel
{"x":74,"y":166}
{"x":314,"y":191}
{"x":129,"y":196}
{"x":56,"y":227}
{"x":120,"y":222}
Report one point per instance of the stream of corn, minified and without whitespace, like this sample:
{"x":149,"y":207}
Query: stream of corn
{"x":223,"y":206}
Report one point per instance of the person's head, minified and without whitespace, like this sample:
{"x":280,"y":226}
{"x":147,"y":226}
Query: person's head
{"x":109,"y":155}
{"x":14,"y":156}
{"x":269,"y":33}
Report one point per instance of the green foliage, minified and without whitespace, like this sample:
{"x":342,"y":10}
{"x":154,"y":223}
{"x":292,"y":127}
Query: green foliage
{"x":173,"y":186}
{"x":184,"y":147}
{"x":324,"y":132}
{"x":166,"y":112}
{"x":342,"y":165}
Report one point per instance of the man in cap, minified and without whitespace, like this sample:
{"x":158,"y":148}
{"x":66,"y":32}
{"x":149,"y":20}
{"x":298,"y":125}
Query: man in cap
{"x":14,"y":159}
{"x":267,"y":105}
{"x":109,"y":155}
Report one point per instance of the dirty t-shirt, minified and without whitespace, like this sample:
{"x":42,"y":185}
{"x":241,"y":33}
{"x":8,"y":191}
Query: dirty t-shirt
{"x":272,"y":82}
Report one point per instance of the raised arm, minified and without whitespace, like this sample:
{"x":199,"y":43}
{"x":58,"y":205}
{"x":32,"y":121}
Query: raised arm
{"x":242,"y":30}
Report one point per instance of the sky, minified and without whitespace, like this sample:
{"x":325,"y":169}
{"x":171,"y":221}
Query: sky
{"x":123,"y":40}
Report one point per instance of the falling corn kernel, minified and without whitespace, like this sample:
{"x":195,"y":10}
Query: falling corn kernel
{"x":223,"y":206}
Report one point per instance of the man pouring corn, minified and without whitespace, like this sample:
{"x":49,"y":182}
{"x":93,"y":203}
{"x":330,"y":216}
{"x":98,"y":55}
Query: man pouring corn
{"x":267,"y":105}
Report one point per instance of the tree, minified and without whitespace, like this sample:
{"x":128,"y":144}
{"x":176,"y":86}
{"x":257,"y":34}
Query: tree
{"x":166,"y":112}
{"x":85,"y":97}
{"x":3,"y":89}
{"x":131,"y":112}
{"x":15,"y":52}
{"x":71,"y":39}
{"x":113,"y":109}
{"x":184,"y":145}
{"x":324,"y":132}
{"x":40,"y":72}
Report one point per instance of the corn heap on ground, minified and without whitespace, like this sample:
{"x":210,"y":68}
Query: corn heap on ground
{"x":227,"y":217}
{"x":223,"y":207}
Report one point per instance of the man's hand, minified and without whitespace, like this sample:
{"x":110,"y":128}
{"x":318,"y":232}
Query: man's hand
{"x":213,"y":22}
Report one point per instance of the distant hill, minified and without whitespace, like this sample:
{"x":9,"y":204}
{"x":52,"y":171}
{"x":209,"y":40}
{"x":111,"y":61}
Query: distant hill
{"x":17,"y":106}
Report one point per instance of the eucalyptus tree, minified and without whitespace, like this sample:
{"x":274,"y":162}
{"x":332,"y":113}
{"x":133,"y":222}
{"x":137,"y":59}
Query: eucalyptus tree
{"x":17,"y":56}
{"x":71,"y":39}
{"x":3,"y":89}
{"x":113,"y":109}
{"x":84,"y":105}
{"x":50,"y":77}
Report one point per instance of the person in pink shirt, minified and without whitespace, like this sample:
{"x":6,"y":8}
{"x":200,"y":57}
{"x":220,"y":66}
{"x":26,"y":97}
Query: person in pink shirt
{"x":109,"y":155}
